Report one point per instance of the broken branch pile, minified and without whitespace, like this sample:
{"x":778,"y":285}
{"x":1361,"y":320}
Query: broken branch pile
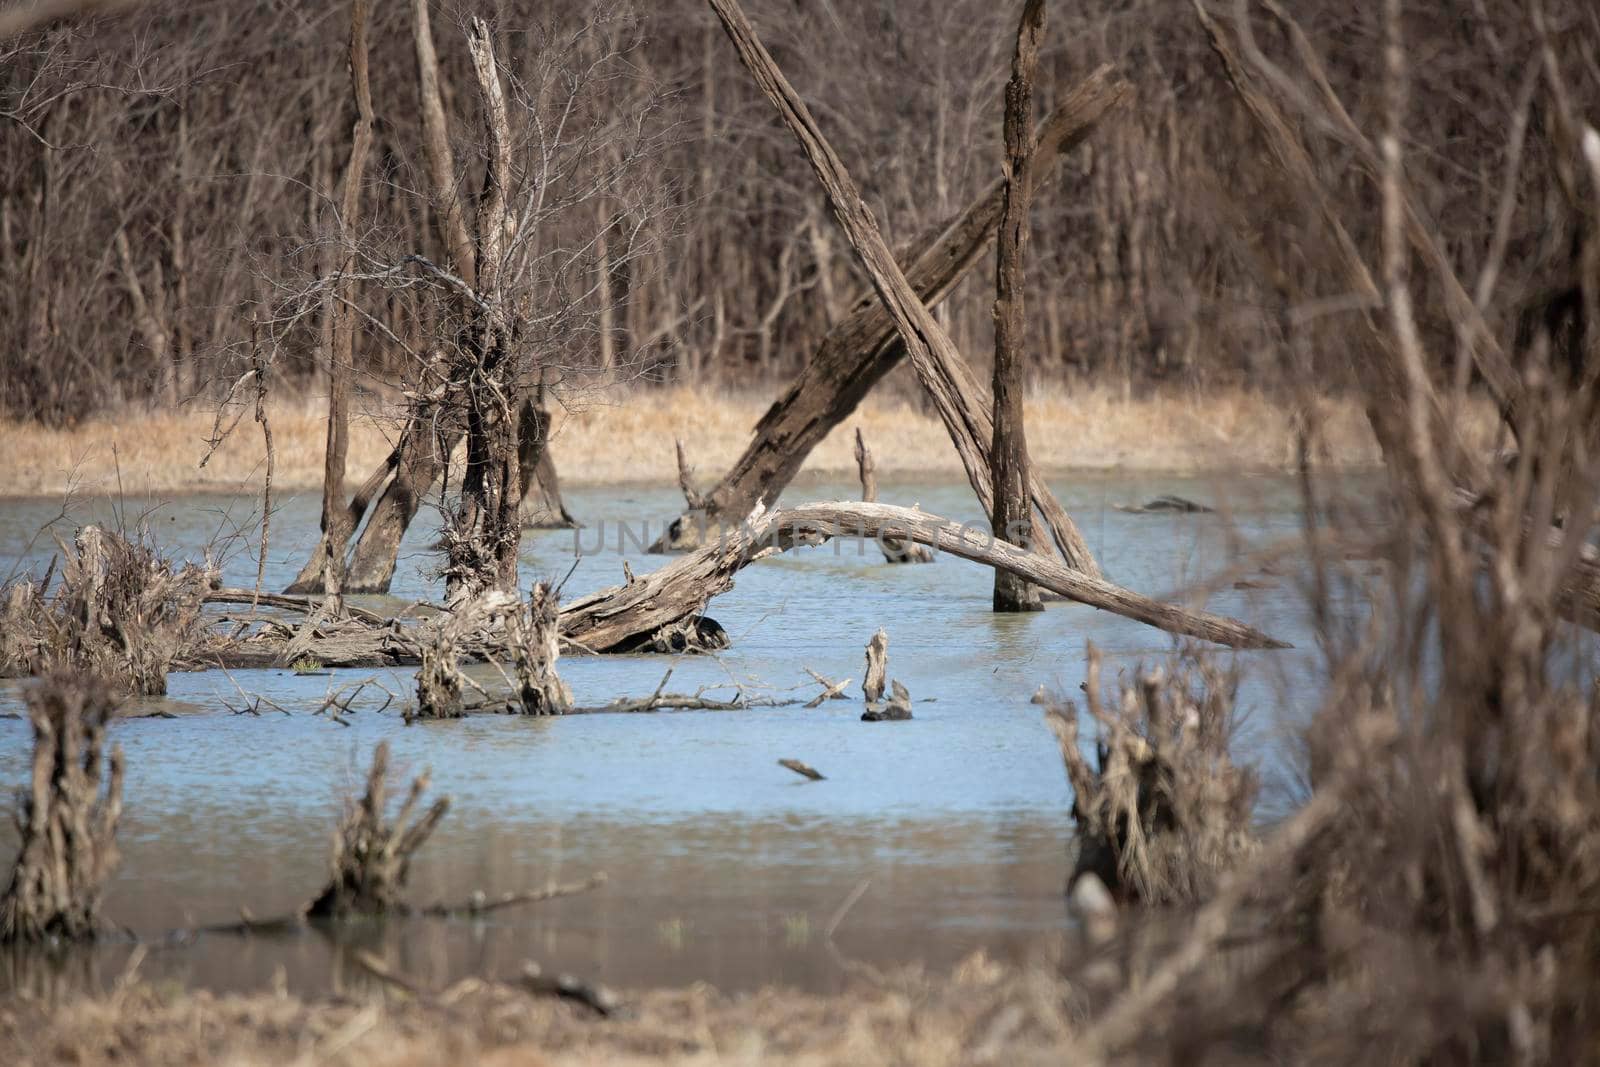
{"x":121,"y":611}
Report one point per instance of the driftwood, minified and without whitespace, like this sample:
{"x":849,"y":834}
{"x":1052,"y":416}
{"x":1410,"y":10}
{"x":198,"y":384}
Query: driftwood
{"x":664,"y":610}
{"x":897,"y":710}
{"x":894,"y":550}
{"x":944,"y":375}
{"x":1164,"y":813}
{"x":1166,"y":503}
{"x":864,"y":346}
{"x":67,"y":826}
{"x":372,"y":854}
{"x":831,"y":690}
{"x":804,"y":770}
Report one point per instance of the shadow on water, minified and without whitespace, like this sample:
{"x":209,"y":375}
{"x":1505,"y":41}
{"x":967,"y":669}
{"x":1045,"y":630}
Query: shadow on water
{"x":723,"y":866}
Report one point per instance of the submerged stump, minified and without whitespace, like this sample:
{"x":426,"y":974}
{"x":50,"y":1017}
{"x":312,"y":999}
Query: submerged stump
{"x":67,"y":824}
{"x":371,"y":853}
{"x":537,"y":646}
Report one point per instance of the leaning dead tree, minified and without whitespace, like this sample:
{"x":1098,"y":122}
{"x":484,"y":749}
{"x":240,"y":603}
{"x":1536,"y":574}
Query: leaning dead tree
{"x":1009,"y":467}
{"x":940,"y":368}
{"x":66,"y":822}
{"x":542,"y":507}
{"x":1164,"y":812}
{"x":372,"y":852}
{"x":865,"y":346}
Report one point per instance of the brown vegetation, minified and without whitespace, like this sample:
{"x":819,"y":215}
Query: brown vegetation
{"x":67,"y":818}
{"x":120,"y":611}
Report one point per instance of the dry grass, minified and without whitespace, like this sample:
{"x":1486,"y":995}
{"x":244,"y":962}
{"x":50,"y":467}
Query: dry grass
{"x":980,"y":1013}
{"x":628,"y":439}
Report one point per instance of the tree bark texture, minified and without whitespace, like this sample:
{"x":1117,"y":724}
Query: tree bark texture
{"x":1008,"y":455}
{"x":864,"y":346}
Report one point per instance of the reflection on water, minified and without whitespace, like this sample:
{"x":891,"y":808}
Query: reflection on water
{"x":724,"y":866}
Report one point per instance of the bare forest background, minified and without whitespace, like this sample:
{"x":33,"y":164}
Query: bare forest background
{"x":169,"y":189}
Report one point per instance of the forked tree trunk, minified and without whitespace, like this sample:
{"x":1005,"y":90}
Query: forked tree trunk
{"x":542,"y":506}
{"x":486,"y":532}
{"x":864,"y":346}
{"x":939,"y":366}
{"x":1008,"y":455}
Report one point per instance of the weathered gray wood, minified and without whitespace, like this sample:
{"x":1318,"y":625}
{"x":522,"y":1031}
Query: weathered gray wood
{"x":873,"y":681}
{"x":940,"y":368}
{"x":894,"y":551}
{"x":864,"y":346}
{"x":536,"y":648}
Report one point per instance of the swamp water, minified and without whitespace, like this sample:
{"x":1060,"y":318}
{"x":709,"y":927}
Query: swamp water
{"x":723,"y":866}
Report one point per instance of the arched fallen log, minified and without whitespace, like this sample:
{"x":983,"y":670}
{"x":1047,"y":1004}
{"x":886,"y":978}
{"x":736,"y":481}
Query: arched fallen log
{"x":612,"y":618}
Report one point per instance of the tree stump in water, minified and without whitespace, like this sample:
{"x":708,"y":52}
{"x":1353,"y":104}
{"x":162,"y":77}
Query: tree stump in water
{"x":1164,"y":812}
{"x":371,"y":855}
{"x":537,"y":646}
{"x":877,"y":667}
{"x":67,"y":826}
{"x":895,"y":549}
{"x":897,"y":710}
{"x":899,"y":706}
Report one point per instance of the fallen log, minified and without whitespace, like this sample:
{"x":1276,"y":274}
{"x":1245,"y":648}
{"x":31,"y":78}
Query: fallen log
{"x":618,"y":619}
{"x":664,"y":610}
{"x":863,"y":347}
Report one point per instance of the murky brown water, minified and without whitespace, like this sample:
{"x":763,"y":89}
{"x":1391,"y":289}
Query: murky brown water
{"x":723,"y":866}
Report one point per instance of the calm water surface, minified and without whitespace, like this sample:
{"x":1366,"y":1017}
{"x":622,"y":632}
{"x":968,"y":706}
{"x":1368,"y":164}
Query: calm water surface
{"x":723,"y":866}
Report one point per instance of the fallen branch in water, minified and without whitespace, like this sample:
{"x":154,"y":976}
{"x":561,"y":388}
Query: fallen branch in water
{"x":804,"y":770}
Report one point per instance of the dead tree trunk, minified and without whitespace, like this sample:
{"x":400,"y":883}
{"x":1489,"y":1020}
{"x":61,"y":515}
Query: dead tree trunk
{"x":537,"y":640}
{"x":433,"y":421}
{"x":1008,"y":455}
{"x":542,"y":507}
{"x":624,"y":617}
{"x":894,"y":550}
{"x":864,"y":346}
{"x":940,"y":368}
{"x":337,"y":304}
{"x":68,"y":827}
{"x":485,"y":533}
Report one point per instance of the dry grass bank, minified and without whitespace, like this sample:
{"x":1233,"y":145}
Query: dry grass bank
{"x":980,"y":1013}
{"x":629,"y":440}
